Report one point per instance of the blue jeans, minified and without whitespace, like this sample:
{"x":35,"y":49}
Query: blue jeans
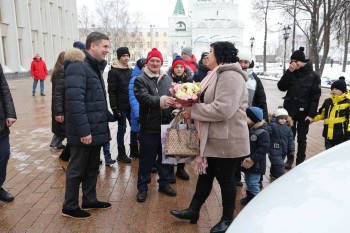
{"x":106,"y":148}
{"x":125,"y":114}
{"x":151,"y":146}
{"x":252,"y":182}
{"x":41,"y":86}
{"x":4,"y":157}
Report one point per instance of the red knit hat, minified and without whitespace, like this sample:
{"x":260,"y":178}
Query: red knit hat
{"x":154,"y":53}
{"x":178,"y":61}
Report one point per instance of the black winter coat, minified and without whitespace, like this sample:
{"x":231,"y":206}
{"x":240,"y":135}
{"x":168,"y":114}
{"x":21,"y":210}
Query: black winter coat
{"x":201,"y":73}
{"x":118,"y":88}
{"x":259,"y":146}
{"x":7,"y":108}
{"x":85,"y":95}
{"x":57,"y":102}
{"x":148,"y":91}
{"x":281,"y":139}
{"x":303,"y":88}
{"x":259,"y":99}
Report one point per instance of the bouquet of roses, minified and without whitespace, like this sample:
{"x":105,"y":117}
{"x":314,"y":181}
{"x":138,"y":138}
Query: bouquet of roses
{"x":186,"y":93}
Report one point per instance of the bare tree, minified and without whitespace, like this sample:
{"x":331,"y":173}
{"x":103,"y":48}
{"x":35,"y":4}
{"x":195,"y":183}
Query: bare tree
{"x":85,"y":22}
{"x":342,"y":30}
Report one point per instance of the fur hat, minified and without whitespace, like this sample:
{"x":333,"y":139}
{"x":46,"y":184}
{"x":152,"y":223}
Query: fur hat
{"x":121,"y":51}
{"x":79,"y":45}
{"x":141,"y":63}
{"x":188,"y":51}
{"x":154,"y":53}
{"x":255,"y":114}
{"x":340,"y":85}
{"x":299,"y":55}
{"x":178,"y":61}
{"x":245,"y":54}
{"x":281,"y":112}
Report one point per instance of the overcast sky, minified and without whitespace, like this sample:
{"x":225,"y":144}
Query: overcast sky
{"x":151,"y":12}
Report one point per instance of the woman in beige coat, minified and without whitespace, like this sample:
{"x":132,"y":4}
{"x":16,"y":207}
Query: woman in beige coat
{"x":222,"y":127}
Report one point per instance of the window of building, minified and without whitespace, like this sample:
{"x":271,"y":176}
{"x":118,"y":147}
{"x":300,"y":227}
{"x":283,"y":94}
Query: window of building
{"x":164,"y":33}
{"x":61,"y":20}
{"x":149,"y":45}
{"x":148,"y":34}
{"x":140,"y":33}
{"x":165,"y":44}
{"x":157,"y":34}
{"x":0,"y":14}
{"x":20,"y":44}
{"x":133,"y":45}
{"x":133,"y":34}
{"x":4,"y":44}
{"x":141,"y":45}
{"x":157,"y":44}
{"x":133,"y":57}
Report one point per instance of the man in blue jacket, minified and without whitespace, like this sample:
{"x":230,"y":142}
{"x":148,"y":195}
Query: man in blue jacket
{"x":86,"y":123}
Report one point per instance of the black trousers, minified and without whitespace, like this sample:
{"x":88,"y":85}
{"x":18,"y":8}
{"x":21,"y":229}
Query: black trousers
{"x":4,"y":157}
{"x":223,"y":169}
{"x":300,"y":129}
{"x":82,"y":168}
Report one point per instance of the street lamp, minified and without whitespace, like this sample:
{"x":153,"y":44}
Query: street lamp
{"x":150,"y":34}
{"x":286,"y":31}
{"x":252,"y":40}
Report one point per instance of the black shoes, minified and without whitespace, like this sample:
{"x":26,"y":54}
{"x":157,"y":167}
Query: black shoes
{"x":222,"y":226}
{"x":182,"y":174}
{"x":108,"y":160}
{"x":172,"y":178}
{"x":187,"y":214}
{"x":6,"y":196}
{"x":167,"y":190}
{"x":98,"y":205}
{"x":141,"y":196}
{"x":122,"y":157}
{"x":76,"y":214}
{"x":134,"y":151}
{"x":42,"y":94}
{"x":239,"y":183}
{"x":247,"y":199}
{"x":289,"y":163}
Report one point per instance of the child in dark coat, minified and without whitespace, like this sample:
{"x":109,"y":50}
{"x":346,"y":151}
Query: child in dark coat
{"x":255,"y":164}
{"x":281,"y":142}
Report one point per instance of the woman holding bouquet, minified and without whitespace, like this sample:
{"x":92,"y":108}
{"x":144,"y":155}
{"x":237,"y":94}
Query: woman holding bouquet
{"x":180,"y":73}
{"x":222,"y":127}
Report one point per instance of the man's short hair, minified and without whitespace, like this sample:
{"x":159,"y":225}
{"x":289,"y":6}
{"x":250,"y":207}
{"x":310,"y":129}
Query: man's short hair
{"x":95,"y":37}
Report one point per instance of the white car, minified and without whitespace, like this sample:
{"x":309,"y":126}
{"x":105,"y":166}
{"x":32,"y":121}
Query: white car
{"x":314,"y":197}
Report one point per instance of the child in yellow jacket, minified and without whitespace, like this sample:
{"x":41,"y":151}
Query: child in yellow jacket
{"x":335,"y":114}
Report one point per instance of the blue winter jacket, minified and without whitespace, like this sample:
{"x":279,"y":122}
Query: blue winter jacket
{"x":135,"y":114}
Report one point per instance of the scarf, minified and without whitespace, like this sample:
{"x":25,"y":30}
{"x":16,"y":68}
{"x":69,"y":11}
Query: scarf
{"x":200,"y":162}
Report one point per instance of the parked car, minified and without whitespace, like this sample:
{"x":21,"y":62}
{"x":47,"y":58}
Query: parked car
{"x":312,"y":197}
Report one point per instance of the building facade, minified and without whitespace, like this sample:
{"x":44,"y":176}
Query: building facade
{"x":28,"y":27}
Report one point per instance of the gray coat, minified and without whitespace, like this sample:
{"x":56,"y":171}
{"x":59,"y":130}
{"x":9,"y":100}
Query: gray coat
{"x":224,"y":130}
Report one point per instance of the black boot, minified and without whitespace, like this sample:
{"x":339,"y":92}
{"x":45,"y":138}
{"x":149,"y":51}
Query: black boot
{"x":222,"y":226}
{"x":122,"y":157}
{"x":172,"y":178}
{"x":191,"y":213}
{"x":108,"y":160}
{"x":247,"y":199}
{"x":181,"y":173}
{"x":134,"y":151}
{"x":289,"y":163}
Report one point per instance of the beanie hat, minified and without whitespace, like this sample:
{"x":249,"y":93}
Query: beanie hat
{"x":245,"y":54}
{"x":342,"y":78}
{"x":255,"y":114}
{"x":141,"y":63}
{"x":340,"y":85}
{"x":121,"y":51}
{"x":281,"y":112}
{"x":154,"y":53}
{"x":178,"y":61}
{"x":299,"y":55}
{"x":188,"y":51}
{"x":205,"y":54}
{"x":79,"y":45}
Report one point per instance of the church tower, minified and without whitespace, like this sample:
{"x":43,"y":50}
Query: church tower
{"x":180,"y":30}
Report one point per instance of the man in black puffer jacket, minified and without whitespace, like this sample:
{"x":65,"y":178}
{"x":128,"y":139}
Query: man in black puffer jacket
{"x":86,"y":123}
{"x":7,"y":118}
{"x":151,"y":89}
{"x":303,"y":88}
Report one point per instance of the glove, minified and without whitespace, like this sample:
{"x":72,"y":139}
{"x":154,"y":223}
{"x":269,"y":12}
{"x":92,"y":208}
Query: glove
{"x":117,"y":114}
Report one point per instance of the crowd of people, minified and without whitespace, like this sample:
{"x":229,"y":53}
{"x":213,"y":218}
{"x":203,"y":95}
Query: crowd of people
{"x":231,"y":117}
